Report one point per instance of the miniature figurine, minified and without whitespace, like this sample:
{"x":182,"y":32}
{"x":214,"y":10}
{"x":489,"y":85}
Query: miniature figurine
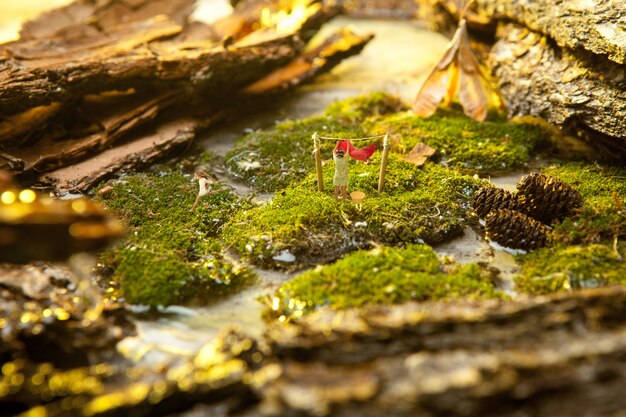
{"x":340,"y":180}
{"x":205,"y":182}
{"x":360,"y":154}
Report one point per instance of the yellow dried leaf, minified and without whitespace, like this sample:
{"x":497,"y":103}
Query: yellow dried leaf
{"x":432,"y":92}
{"x":420,"y":154}
{"x":457,"y":72}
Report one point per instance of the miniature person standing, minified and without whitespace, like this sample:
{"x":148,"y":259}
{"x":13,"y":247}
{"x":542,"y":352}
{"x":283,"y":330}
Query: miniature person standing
{"x":340,"y":180}
{"x":205,"y":182}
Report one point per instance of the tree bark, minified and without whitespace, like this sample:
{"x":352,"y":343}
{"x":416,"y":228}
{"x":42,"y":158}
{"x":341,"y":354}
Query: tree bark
{"x":575,"y":90}
{"x":120,"y":115}
{"x":542,"y":356}
{"x":83,"y":87}
{"x":594,"y":26}
{"x":42,"y":72}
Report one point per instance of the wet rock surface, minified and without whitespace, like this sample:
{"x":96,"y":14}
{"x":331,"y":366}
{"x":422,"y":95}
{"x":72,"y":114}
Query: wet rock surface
{"x":48,"y":314}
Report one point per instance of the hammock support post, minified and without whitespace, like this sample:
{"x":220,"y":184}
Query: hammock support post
{"x":383,"y":164}
{"x":318,"y":162}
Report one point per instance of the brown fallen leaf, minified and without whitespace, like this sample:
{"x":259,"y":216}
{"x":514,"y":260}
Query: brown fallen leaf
{"x":420,"y":154}
{"x":458,"y":71}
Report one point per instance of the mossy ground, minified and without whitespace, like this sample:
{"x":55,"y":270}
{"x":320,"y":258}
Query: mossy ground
{"x":587,"y":250}
{"x":171,"y":255}
{"x":428,"y":204}
{"x":492,"y":147}
{"x":565,"y":268}
{"x":383,"y":275}
{"x":274,"y":158}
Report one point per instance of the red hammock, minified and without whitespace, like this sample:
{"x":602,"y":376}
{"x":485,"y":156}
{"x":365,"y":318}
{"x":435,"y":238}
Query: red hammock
{"x":361,"y":154}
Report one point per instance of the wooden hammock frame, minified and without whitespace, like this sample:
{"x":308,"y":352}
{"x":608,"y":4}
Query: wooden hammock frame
{"x":318,"y":157}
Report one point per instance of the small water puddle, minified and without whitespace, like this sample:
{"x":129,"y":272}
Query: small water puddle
{"x":182,"y":331}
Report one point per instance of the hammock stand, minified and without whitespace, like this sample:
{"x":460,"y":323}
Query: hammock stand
{"x":318,"y":157}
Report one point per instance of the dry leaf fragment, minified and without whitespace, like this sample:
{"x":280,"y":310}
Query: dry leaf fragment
{"x":420,"y":154}
{"x":457,"y":71}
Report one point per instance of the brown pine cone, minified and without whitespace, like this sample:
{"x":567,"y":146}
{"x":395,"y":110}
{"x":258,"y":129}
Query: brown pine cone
{"x":488,"y":199}
{"x":515,"y":230}
{"x":547,"y":198}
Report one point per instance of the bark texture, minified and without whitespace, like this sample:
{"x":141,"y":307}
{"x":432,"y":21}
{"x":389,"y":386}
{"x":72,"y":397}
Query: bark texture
{"x":542,"y":356}
{"x":93,"y":75}
{"x":46,"y":71}
{"x":546,"y":356}
{"x":595,"y":26}
{"x":571,"y":89}
{"x":564,"y":61}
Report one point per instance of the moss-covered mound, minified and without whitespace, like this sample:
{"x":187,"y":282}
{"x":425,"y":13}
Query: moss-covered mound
{"x":566,"y":268}
{"x":171,"y":255}
{"x":384,"y":275}
{"x":495,"y":146}
{"x":603,"y":215}
{"x":428,"y":204}
{"x":271,"y":159}
{"x":587,"y":252}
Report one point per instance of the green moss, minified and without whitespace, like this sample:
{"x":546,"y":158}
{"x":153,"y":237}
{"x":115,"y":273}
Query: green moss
{"x":171,"y":255}
{"x":384,"y":275}
{"x":357,"y":109}
{"x":494,"y":146}
{"x":427,"y":204}
{"x":562,"y":268}
{"x":584,"y":254}
{"x":272,"y":159}
{"x":604,"y":210}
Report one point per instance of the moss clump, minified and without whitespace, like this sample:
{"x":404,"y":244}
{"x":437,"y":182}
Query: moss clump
{"x":171,"y":255}
{"x":384,"y":275}
{"x":494,"y":146}
{"x":587,"y":253}
{"x":358,"y":109}
{"x":563,"y":268}
{"x":428,"y":204}
{"x":271,"y":159}
{"x":604,"y":208}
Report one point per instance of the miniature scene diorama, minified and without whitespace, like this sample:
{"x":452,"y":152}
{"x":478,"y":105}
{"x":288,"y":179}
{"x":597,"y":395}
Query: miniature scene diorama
{"x":312,"y":208}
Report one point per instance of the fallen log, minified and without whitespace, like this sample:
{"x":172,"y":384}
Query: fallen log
{"x":141,"y":151}
{"x":88,"y":17}
{"x":41,"y":73}
{"x":150,"y":146}
{"x":64,"y":67}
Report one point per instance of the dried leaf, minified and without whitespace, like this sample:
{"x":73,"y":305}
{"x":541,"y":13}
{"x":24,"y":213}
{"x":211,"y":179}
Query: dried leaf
{"x":453,"y":87}
{"x":457,"y":71}
{"x":420,"y":154}
{"x":432,"y":92}
{"x":471,"y":94}
{"x":459,"y":9}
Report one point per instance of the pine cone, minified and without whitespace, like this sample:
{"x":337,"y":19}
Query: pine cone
{"x":488,"y":199}
{"x":546,"y":198}
{"x":515,"y":230}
